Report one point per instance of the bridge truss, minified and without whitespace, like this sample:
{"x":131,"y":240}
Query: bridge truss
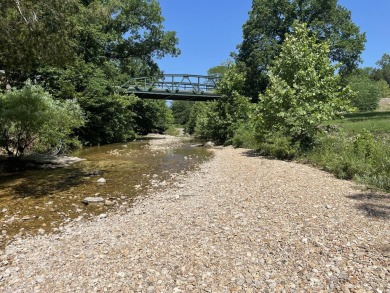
{"x":173,"y":87}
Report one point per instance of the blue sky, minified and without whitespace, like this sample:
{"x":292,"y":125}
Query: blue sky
{"x":208,"y":30}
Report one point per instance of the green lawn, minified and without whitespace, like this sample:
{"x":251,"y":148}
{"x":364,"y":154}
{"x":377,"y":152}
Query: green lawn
{"x":375,"y":122}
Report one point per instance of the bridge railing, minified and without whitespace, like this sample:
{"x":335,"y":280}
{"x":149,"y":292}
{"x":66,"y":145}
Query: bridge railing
{"x":174,"y":83}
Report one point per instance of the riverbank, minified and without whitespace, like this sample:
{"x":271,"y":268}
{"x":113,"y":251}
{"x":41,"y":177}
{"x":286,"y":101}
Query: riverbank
{"x":240,"y":223}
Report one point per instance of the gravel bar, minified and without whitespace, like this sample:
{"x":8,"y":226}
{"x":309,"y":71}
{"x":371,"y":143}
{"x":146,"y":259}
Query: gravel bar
{"x":239,"y":223}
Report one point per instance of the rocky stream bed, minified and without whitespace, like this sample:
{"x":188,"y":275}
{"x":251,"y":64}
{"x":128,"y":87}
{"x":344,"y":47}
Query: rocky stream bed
{"x":239,"y":223}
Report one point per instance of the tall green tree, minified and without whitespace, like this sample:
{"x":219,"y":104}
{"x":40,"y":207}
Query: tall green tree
{"x":383,"y":72}
{"x":38,"y":33}
{"x":84,"y":49}
{"x":270,"y":20}
{"x":304,"y":90}
{"x":35,"y":33}
{"x":151,"y":116}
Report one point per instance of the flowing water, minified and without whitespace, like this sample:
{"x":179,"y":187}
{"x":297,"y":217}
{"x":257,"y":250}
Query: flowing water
{"x":40,"y":200}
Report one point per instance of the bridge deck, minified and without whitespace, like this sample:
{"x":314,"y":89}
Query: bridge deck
{"x":173,"y":87}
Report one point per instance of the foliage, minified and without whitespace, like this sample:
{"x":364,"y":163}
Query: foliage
{"x":30,"y":115}
{"x":172,"y":130}
{"x":223,"y":117}
{"x":270,"y":20}
{"x":383,"y":72}
{"x":181,"y":111}
{"x":244,"y":136}
{"x":277,"y":145}
{"x":36,"y":32}
{"x":303,"y":92}
{"x":220,"y":70}
{"x":363,"y":157}
{"x":85,"y":50}
{"x":197,"y":113}
{"x":384,"y":88}
{"x":368,"y":92}
{"x":151,"y":116}
{"x":109,"y":119}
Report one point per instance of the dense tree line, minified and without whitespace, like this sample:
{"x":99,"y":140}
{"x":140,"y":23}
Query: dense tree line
{"x":82,"y":50}
{"x":298,"y":62}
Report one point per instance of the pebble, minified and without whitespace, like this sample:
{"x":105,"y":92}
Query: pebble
{"x":255,"y":225}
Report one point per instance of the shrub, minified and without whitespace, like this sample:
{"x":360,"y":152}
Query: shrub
{"x":30,"y":116}
{"x":363,"y":157}
{"x":277,"y":145}
{"x":221,"y":118}
{"x":368,"y":93}
{"x":244,"y":136}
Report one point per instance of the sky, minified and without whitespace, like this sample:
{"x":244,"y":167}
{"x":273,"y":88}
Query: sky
{"x":209,"y":30}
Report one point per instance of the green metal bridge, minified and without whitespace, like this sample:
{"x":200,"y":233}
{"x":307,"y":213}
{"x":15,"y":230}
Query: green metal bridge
{"x":173,"y":87}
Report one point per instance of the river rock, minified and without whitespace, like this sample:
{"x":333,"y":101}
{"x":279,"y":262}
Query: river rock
{"x":101,"y":180}
{"x":109,"y":202}
{"x":89,"y":200}
{"x":209,"y":144}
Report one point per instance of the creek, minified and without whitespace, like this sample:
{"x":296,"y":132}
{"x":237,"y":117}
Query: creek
{"x":44,"y":200}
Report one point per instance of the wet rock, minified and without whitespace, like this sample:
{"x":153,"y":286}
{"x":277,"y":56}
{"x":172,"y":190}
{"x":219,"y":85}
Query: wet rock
{"x":109,"y":202}
{"x":101,"y":180}
{"x":209,"y":144}
{"x":92,"y":200}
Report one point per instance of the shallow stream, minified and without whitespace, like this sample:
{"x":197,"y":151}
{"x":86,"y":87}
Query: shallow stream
{"x":41,"y":200}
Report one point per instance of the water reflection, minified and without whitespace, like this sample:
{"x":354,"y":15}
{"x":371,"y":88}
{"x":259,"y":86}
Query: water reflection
{"x":43,"y":200}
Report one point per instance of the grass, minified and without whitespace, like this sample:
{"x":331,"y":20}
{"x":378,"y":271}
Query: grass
{"x":359,"y":149}
{"x":375,"y":122}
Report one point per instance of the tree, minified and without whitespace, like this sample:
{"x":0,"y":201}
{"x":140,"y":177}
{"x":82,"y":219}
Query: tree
{"x":151,"y":116}
{"x":35,"y":33}
{"x":220,"y":70}
{"x":304,"y":90}
{"x":383,"y":72}
{"x":84,"y":49}
{"x":270,"y":20}
{"x":30,"y":116}
{"x":222,"y":117}
{"x":181,"y":111}
{"x":368,"y":92}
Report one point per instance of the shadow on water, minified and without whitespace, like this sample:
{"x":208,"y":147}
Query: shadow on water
{"x":33,"y":200}
{"x":50,"y":184}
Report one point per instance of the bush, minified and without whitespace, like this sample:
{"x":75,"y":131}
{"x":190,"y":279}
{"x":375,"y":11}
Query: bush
{"x":30,"y":116}
{"x":151,"y":116}
{"x":220,"y":119}
{"x":244,"y":136}
{"x":277,"y":145}
{"x":363,"y":157}
{"x":368,"y":93}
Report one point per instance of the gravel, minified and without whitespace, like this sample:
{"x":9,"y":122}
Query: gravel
{"x":240,"y":223}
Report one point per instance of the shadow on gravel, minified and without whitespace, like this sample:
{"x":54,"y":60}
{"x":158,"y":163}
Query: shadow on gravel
{"x":375,"y":205}
{"x":251,"y":154}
